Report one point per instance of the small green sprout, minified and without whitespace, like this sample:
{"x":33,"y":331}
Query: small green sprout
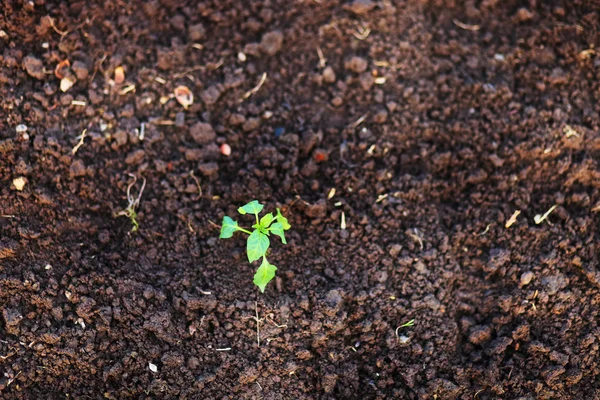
{"x":258,"y":239}
{"x":130,"y":212}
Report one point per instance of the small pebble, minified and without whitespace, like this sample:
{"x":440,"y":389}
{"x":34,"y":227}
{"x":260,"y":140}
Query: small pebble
{"x":526,"y":278}
{"x":271,"y":42}
{"x":225,"y":149}
{"x":19,"y":183}
{"x":357,"y":64}
{"x":329,"y":75}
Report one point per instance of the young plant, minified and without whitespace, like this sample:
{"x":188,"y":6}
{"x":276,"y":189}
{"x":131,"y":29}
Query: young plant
{"x":258,"y":239}
{"x":130,"y":212}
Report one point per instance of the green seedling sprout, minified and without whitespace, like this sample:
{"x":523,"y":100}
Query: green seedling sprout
{"x":258,"y":239}
{"x":130,"y":212}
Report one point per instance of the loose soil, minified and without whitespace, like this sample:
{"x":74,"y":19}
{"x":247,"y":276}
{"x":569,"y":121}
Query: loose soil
{"x":434,"y":121}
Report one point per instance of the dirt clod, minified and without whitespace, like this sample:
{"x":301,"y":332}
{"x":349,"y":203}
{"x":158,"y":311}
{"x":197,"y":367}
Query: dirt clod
{"x":203,"y":133}
{"x":357,"y":64}
{"x":480,"y":334}
{"x":34,"y":67}
{"x":271,"y":42}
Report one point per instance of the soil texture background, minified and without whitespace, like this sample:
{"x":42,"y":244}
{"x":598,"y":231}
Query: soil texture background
{"x":413,"y":146}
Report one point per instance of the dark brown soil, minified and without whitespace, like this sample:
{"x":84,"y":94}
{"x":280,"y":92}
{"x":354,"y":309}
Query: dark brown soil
{"x":433,"y":120}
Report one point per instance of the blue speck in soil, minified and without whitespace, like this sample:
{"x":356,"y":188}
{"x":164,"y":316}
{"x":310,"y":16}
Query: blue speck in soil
{"x":279,"y":131}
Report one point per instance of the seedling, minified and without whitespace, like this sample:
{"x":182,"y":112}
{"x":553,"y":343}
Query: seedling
{"x":130,"y":212}
{"x":258,"y":239}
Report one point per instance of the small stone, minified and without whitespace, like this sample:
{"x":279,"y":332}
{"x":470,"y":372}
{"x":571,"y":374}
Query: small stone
{"x":211,"y":95}
{"x":480,"y":334}
{"x":135,"y":157}
{"x":366,"y":81}
{"x":203,"y":133}
{"x":317,"y":210}
{"x":329,"y":75}
{"x":208,"y":169}
{"x":196,"y":32}
{"x":524,"y":15}
{"x":555,"y":283}
{"x":496,"y":161}
{"x":66,"y":83}
{"x":357,"y":64}
{"x":251,"y":124}
{"x":395,"y":250}
{"x":21,"y":128}
{"x":271,"y":42}
{"x":360,"y":7}
{"x":526,"y":278}
{"x":180,"y":119}
{"x":225,"y":149}
{"x":81,"y":70}
{"x":236,"y":119}
{"x":337,"y":101}
{"x":320,"y":155}
{"x":19,"y":183}
{"x":34,"y":67}
{"x":77,"y":168}
{"x":380,"y":117}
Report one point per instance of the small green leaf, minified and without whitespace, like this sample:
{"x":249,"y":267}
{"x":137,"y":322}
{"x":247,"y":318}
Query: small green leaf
{"x":264,"y":274}
{"x":228,"y":227}
{"x":257,"y":245}
{"x":284,"y":222}
{"x":266,"y":220}
{"x":254,"y":207}
{"x":277,"y":229}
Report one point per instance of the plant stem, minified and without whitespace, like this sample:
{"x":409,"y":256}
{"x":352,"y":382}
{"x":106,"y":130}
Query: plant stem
{"x":244,"y":230}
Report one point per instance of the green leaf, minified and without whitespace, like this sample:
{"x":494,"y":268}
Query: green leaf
{"x":266,"y":220}
{"x":264,"y":274}
{"x":228,"y":227}
{"x":283,"y":220}
{"x":277,"y":229}
{"x":257,"y":245}
{"x":254,"y":207}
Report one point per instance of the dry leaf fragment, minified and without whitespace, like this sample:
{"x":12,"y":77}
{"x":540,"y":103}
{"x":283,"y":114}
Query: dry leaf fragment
{"x":184,"y":96}
{"x":61,"y":68}
{"x":119,"y":75}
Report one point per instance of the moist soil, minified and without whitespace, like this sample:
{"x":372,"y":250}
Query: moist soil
{"x":434,"y":121}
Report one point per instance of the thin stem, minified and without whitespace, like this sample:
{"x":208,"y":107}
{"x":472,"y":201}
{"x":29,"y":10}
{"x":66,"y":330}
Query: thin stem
{"x":244,"y":230}
{"x":256,"y":215}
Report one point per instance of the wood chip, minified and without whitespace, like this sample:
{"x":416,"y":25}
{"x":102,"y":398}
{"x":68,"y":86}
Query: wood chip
{"x":538,"y":219}
{"x":466,"y":26}
{"x":512,"y":219}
